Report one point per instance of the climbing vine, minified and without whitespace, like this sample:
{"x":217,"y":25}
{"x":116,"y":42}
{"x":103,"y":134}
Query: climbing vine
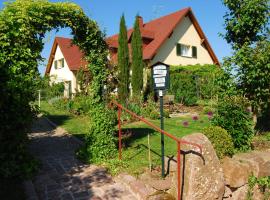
{"x":23,"y":24}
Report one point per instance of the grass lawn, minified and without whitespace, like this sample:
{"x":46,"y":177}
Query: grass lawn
{"x":76,"y":125}
{"x":135,"y":137}
{"x":135,"y":152}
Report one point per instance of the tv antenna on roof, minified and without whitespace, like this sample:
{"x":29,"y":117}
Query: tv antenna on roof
{"x":156,"y":9}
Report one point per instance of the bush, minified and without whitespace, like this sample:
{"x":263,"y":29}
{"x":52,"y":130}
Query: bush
{"x":190,"y":83}
{"x":221,"y":140}
{"x":232,"y":115}
{"x":100,"y":141}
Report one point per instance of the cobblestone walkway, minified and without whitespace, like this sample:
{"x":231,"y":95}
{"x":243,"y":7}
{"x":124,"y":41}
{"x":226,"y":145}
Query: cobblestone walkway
{"x":64,"y":177}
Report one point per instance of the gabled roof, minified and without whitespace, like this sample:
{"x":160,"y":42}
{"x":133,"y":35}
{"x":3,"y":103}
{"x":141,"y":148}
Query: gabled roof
{"x":160,"y":29}
{"x":71,"y":53}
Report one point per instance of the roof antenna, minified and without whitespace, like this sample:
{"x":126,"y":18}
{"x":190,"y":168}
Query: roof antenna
{"x":157,"y":9}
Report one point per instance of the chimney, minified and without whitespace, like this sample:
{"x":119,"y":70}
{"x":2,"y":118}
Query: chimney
{"x":140,"y":21}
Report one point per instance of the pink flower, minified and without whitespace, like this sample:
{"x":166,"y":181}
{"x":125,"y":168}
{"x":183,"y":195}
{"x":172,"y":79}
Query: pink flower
{"x":195,"y":118}
{"x":210,"y":114}
{"x":185,"y":123}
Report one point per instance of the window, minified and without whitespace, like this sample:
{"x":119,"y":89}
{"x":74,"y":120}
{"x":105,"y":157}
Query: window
{"x":58,"y":64}
{"x":186,"y":50}
{"x":55,"y":64}
{"x":61,"y":63}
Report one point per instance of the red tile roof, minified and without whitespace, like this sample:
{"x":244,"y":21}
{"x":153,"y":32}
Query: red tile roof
{"x":159,"y":30}
{"x":154,"y":34}
{"x":71,"y":53}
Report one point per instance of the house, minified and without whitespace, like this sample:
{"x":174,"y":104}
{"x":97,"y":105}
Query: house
{"x":174,"y":39}
{"x":64,"y":63}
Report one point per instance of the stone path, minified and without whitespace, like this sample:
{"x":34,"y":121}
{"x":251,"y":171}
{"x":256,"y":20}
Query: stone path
{"x":64,"y":177}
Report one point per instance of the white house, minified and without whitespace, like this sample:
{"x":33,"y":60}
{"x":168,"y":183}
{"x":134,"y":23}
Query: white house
{"x":174,"y":39}
{"x":64,"y":62}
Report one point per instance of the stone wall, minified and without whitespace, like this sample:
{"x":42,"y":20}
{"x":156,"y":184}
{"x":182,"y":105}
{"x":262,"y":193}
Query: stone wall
{"x":205,"y":177}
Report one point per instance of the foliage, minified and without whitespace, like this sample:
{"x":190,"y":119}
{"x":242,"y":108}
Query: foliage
{"x":137,"y":64}
{"x":252,"y":67}
{"x":83,"y":78}
{"x":263,"y":184}
{"x":23,"y":24}
{"x":247,"y":30}
{"x":245,"y":21}
{"x":220,"y":139}
{"x":233,"y":115}
{"x":123,"y":62}
{"x":100,"y":142}
{"x":193,"y":82}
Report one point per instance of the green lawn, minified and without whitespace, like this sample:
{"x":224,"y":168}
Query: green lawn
{"x":76,"y":125}
{"x":135,"y":137}
{"x":135,"y":152}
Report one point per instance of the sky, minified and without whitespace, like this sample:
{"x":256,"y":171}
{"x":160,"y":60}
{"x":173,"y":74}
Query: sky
{"x":107,"y":13}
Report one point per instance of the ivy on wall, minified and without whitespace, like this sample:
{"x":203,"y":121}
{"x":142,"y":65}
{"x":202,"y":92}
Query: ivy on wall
{"x":23,"y":24}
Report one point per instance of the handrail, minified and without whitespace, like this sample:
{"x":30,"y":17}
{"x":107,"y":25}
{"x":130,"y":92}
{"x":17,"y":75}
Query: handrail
{"x":156,"y":127}
{"x":179,"y":141}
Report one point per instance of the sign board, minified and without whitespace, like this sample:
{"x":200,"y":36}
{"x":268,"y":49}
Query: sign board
{"x":160,"y":74}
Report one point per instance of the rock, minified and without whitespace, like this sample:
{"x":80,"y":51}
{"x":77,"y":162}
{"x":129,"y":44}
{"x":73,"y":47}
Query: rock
{"x":228,"y":192}
{"x":236,"y":173}
{"x":203,"y":176}
{"x":257,"y":195}
{"x":258,"y":161}
{"x":239,"y":194}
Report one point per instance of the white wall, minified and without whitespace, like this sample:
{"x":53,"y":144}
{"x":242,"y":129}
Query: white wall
{"x":63,"y":74}
{"x":184,"y":33}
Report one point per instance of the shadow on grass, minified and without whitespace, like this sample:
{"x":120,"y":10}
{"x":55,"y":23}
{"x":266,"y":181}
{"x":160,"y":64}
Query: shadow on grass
{"x":57,"y":119}
{"x":130,"y":135}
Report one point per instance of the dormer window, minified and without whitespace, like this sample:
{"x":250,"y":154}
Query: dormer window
{"x":58,"y":64}
{"x":186,"y":50}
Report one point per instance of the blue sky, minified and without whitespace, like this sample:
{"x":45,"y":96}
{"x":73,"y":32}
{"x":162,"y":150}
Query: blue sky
{"x":107,"y":13}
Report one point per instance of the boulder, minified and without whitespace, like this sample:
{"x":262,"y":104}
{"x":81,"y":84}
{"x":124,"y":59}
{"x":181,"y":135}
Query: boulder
{"x":259,"y":161}
{"x":236,"y":173}
{"x":203,"y":176}
{"x":239,"y":193}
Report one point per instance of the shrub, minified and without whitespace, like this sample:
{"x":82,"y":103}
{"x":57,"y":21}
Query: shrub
{"x":208,"y":109}
{"x":233,"y":116}
{"x":100,"y":141}
{"x":220,"y":139}
{"x":190,"y":83}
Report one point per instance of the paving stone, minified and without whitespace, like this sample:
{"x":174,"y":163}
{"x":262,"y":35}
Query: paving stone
{"x":64,"y":177}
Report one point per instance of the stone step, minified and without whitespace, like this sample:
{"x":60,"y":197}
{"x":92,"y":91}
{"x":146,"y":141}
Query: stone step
{"x":137,"y":187}
{"x":146,"y":186}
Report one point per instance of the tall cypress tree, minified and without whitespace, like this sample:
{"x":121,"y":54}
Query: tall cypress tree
{"x":137,"y":60}
{"x":123,"y":62}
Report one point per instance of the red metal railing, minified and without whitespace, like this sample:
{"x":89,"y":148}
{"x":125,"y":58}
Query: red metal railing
{"x":178,"y":141}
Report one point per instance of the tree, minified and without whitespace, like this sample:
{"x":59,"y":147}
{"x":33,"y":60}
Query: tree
{"x":123,"y":62}
{"x":137,"y":60}
{"x":245,"y":21}
{"x":247,"y":31}
{"x":23,"y":24}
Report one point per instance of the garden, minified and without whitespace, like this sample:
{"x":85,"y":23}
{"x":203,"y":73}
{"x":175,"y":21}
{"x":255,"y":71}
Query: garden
{"x":230,"y":103}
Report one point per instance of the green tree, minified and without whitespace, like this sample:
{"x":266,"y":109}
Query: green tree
{"x":137,"y":60}
{"x":123,"y":62}
{"x":246,"y":24}
{"x":23,"y":24}
{"x":245,"y":21}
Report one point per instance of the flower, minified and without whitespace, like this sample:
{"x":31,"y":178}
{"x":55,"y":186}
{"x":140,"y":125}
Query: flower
{"x":210,"y":114}
{"x":195,"y":118}
{"x":185,"y":123}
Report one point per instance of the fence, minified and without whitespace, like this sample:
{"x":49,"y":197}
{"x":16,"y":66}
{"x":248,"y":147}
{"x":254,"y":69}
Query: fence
{"x":177,"y":140}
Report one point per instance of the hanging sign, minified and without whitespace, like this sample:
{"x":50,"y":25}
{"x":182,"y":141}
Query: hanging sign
{"x":160,"y":74}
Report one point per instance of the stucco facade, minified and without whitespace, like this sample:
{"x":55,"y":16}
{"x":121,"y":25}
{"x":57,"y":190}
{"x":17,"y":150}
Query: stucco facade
{"x":184,"y":33}
{"x":63,"y":74}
